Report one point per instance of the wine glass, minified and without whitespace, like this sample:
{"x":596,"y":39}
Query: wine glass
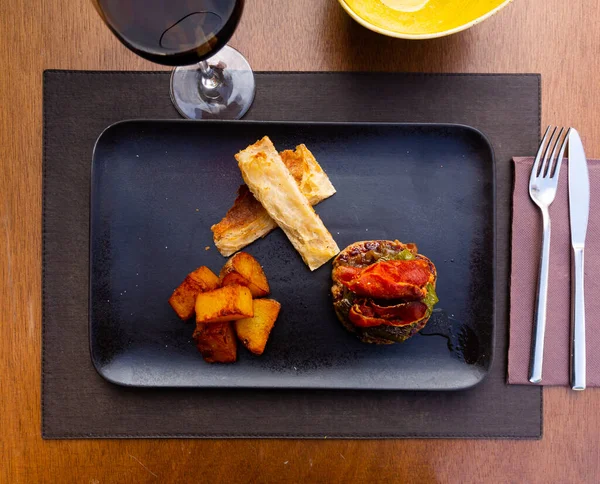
{"x":213,"y":80}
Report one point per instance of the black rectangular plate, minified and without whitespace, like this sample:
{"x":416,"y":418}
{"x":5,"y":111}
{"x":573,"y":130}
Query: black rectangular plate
{"x":158,"y":186}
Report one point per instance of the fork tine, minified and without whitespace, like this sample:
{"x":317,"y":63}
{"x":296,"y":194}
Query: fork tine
{"x":536,"y":164}
{"x":547,"y":159}
{"x":552,"y":162}
{"x":562,"y":153}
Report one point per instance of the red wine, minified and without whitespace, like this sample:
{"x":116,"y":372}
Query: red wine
{"x":172,"y":32}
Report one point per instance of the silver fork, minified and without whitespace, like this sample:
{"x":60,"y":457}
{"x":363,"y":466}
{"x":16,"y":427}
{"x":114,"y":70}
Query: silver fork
{"x":542,"y":190}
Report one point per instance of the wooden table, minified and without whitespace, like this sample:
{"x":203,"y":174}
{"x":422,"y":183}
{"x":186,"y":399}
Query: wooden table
{"x":557,"y":38}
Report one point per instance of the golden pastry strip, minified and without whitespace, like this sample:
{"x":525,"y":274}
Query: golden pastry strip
{"x":274,"y":187}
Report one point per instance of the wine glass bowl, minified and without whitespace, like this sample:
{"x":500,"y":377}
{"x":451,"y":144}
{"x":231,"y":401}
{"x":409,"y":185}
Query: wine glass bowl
{"x":188,"y":33}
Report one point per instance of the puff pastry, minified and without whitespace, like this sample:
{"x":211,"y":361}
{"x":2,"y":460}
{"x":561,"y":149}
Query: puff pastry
{"x":275,"y":188}
{"x":247,"y":220}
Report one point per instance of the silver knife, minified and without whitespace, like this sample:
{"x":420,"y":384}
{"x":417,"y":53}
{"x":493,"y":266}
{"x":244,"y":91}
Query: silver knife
{"x":579,"y":209}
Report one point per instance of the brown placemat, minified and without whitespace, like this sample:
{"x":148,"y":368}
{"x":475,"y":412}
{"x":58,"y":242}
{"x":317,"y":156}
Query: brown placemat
{"x":78,"y":403}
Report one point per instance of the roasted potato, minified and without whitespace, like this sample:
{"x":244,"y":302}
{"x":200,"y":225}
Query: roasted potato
{"x":183,"y":299}
{"x":207,"y":278}
{"x":254,"y":332}
{"x":243,"y":269}
{"x":216,"y":342}
{"x":225,"y":304}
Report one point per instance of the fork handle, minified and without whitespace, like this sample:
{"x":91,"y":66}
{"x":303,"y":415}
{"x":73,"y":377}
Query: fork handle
{"x":539,"y":330}
{"x":577,"y":323}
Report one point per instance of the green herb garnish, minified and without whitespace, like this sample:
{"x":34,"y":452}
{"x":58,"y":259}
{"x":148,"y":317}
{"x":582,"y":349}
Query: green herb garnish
{"x":402,"y":255}
{"x":430,"y":298}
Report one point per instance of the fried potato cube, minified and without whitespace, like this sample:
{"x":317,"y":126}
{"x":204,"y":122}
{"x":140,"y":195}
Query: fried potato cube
{"x":254,"y":332}
{"x":216,"y":342}
{"x":224,"y":304}
{"x":183,"y":299}
{"x":207,"y":278}
{"x":244,"y":270}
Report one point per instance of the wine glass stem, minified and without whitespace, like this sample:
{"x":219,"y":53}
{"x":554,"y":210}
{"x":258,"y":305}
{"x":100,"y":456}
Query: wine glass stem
{"x":209,"y":80}
{"x":206,"y":69}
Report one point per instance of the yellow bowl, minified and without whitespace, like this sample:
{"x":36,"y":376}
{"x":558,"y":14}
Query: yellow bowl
{"x":420,"y":19}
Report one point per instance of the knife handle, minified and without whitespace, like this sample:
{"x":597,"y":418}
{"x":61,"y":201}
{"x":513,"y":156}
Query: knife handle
{"x":577,"y":323}
{"x":539,"y":328}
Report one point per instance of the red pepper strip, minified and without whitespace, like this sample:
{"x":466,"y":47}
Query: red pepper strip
{"x":366,"y":316}
{"x":394,"y":279}
{"x":346,"y":274}
{"x":411,"y":311}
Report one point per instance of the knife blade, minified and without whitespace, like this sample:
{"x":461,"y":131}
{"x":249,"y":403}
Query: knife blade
{"x":579,"y":209}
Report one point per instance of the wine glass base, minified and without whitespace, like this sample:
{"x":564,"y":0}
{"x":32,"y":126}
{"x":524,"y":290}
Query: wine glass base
{"x":231,"y":99}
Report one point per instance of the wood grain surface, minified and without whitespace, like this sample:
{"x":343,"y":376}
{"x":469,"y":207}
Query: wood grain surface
{"x":557,"y":38}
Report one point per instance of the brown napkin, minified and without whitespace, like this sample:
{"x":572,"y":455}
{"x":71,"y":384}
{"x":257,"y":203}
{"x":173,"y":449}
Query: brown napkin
{"x":526,"y":246}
